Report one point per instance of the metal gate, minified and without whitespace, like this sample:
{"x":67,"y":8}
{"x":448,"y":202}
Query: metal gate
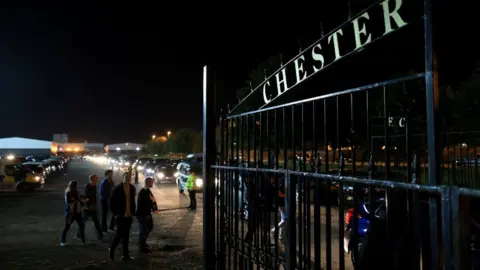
{"x":344,"y":180}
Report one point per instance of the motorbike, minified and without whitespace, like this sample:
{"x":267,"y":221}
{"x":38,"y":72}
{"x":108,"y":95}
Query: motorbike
{"x":353,"y":239}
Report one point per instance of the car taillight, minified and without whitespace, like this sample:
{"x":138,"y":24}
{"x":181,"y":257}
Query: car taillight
{"x":349,"y":215}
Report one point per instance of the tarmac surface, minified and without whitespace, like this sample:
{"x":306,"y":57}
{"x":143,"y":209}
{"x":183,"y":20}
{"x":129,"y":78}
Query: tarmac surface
{"x":31,"y":225}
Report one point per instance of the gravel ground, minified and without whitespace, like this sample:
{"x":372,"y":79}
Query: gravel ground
{"x":32,"y":223}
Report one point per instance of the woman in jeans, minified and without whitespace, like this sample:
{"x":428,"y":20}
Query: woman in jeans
{"x":73,"y":211}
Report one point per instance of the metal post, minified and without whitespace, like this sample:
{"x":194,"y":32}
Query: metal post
{"x":209,"y":157}
{"x":431,"y":87}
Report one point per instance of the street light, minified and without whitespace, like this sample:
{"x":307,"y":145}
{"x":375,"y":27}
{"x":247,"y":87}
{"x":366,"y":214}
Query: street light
{"x":168,"y":134}
{"x":153,"y":137}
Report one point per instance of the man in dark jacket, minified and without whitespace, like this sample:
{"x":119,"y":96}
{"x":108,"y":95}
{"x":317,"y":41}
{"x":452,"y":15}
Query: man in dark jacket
{"x":145,"y":205}
{"x":122,"y":204}
{"x":105,"y":189}
{"x":90,"y":192}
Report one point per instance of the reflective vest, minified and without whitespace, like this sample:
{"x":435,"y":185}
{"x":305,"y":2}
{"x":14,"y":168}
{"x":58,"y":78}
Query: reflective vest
{"x":190,"y":185}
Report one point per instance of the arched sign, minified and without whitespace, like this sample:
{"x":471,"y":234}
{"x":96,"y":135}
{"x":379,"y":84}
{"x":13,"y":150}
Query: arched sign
{"x":339,"y":43}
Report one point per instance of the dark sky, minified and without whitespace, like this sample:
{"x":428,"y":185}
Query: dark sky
{"x":120,"y":72}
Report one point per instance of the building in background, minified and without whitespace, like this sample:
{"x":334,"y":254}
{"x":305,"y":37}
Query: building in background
{"x":126,"y":147}
{"x":25,"y":146}
{"x":60,"y":138}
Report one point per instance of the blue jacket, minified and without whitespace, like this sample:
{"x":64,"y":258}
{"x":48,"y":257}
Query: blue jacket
{"x":106,"y":188}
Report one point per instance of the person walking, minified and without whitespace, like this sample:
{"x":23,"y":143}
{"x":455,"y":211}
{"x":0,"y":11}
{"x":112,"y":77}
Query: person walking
{"x":280,"y":205}
{"x":105,"y":190}
{"x":145,"y":205}
{"x":73,"y":211}
{"x":190,"y":185}
{"x":122,"y":205}
{"x":90,"y":192}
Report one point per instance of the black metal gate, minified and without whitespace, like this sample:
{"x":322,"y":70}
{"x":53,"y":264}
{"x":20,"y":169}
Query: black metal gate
{"x":345,"y":180}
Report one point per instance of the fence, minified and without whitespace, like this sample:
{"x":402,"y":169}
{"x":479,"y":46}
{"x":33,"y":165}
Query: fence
{"x":359,"y":199}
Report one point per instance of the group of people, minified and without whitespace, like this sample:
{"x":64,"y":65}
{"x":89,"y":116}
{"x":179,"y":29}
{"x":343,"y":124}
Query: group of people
{"x":120,"y":200}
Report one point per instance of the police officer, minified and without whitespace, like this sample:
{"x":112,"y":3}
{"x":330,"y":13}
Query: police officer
{"x":191,"y":187}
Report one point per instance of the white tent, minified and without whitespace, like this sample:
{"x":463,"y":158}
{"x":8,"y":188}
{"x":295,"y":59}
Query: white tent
{"x":24,"y":143}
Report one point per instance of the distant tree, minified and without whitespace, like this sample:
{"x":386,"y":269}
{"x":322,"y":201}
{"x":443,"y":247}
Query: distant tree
{"x":183,"y":141}
{"x":155,"y":147}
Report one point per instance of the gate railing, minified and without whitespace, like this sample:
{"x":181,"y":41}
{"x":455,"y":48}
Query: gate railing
{"x":416,"y":226}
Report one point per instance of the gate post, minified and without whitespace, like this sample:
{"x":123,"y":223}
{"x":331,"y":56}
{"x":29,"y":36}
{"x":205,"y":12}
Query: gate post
{"x":209,"y":157}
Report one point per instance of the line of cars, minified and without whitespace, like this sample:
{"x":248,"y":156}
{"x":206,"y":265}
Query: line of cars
{"x":160,"y":168}
{"x":29,"y":173}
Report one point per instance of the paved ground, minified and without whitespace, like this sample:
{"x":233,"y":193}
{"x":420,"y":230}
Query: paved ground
{"x":31,"y":227}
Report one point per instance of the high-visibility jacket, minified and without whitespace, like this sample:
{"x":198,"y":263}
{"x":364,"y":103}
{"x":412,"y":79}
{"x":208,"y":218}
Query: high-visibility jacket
{"x":190,"y":185}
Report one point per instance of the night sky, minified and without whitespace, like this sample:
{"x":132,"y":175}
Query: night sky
{"x":120,"y":72}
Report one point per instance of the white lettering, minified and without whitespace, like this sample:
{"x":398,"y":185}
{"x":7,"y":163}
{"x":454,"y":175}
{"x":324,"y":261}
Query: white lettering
{"x":394,"y":15}
{"x":358,"y":32}
{"x":317,"y":57}
{"x":282,"y":81}
{"x":299,"y":72}
{"x":390,"y":121}
{"x":265,"y":98}
{"x":401,"y":122}
{"x":334,"y":36}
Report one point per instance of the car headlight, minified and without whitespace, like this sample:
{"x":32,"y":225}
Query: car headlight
{"x":149,"y":171}
{"x":37,"y":178}
{"x":139,"y":168}
{"x":199,"y":182}
{"x":161,"y":175}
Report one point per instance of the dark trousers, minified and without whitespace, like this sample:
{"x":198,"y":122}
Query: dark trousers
{"x":124,"y":225}
{"x":145,"y":224}
{"x":92,"y":214}
{"x":104,"y":204}
{"x":193,"y":199}
{"x":69,"y":219}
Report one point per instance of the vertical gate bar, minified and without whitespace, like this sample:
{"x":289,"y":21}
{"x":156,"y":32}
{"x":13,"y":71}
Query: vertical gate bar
{"x":291,"y":256}
{"x":456,"y":227}
{"x":432,"y":99}
{"x":317,"y":208}
{"x":221,"y":201}
{"x":341,"y":225}
{"x":261,"y":185}
{"x":242,"y":190}
{"x":353,"y":139}
{"x":386,"y":176}
{"x":353,"y":145}
{"x":224,"y":194}
{"x":328,"y":208}
{"x":255,"y":235}
{"x":386,"y":133}
{"x":301,"y":195}
{"x":236,"y":193}
{"x":276,"y":139}
{"x":294,"y":156}
{"x":433,"y":222}
{"x":248,"y":139}
{"x":231,"y":176}
{"x":267,"y":136}
{"x":277,"y":185}
{"x":367,"y":112}
{"x":446,"y":228}
{"x":284,"y":138}
{"x":209,"y":157}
